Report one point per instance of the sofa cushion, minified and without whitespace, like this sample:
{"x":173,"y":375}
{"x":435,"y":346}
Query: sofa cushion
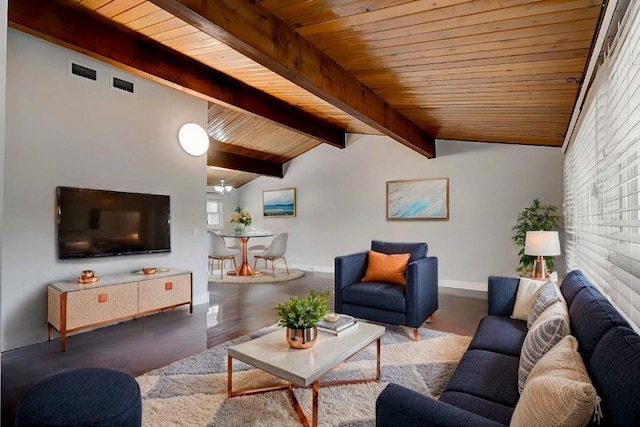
{"x":546,"y":295}
{"x":527,"y":290}
{"x":488,"y":375}
{"x":545,"y":332}
{"x":500,"y":334}
{"x":615,"y":372}
{"x":386,"y":268}
{"x":483,"y":407}
{"x":415,"y":250}
{"x":592,"y":315}
{"x":558,"y":391}
{"x":573,"y":283}
{"x":376,"y":294}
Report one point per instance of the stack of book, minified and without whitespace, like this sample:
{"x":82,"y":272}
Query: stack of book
{"x":343,"y":324}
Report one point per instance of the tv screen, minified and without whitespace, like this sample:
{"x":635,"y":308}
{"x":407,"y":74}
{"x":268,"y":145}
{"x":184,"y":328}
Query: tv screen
{"x":97,"y":223}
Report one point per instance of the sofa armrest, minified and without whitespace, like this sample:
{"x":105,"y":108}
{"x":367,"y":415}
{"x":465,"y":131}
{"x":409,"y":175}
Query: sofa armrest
{"x":348,"y":269}
{"x":422,"y":290}
{"x":399,"y":406}
{"x":502,"y":295}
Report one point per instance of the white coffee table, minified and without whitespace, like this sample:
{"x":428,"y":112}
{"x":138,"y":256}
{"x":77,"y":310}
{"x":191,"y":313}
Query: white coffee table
{"x":303,"y":367}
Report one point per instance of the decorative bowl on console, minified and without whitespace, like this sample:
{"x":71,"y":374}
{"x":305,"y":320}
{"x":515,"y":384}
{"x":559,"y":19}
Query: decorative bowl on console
{"x":149,"y":270}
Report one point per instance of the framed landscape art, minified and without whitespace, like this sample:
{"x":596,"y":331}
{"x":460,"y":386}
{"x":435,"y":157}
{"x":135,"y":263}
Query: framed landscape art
{"x":418,"y":199}
{"x":279,"y":203}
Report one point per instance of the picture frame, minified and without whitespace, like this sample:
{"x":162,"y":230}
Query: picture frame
{"x":279,"y":203}
{"x":418,"y":199}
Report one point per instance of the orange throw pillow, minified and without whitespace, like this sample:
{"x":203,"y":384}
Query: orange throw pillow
{"x":386,"y":268}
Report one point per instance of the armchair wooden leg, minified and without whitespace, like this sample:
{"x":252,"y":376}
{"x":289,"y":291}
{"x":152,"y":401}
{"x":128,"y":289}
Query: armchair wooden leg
{"x":285,"y":264}
{"x":221,"y":267}
{"x":273,"y":268}
{"x":416,"y":335}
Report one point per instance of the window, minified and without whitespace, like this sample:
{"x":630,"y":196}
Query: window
{"x":214,"y":212}
{"x":602,"y":176}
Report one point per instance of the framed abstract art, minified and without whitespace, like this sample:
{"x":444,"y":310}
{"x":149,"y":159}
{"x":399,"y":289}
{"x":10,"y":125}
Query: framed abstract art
{"x":418,"y":199}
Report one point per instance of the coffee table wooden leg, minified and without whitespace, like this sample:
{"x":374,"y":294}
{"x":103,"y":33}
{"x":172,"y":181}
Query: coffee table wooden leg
{"x":378,"y":345}
{"x":229,"y":376}
{"x":314,"y":405}
{"x":298,"y":408}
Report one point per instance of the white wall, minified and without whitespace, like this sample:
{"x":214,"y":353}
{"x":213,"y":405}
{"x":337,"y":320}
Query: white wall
{"x":63,"y":130}
{"x":3,"y":75}
{"x":341,"y":202}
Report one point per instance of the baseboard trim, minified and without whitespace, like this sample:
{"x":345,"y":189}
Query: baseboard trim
{"x":470,"y":286}
{"x":201,"y":299}
{"x":444,"y":283}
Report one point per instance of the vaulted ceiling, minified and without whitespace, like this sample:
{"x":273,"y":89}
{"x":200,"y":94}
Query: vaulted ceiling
{"x":282,"y":76}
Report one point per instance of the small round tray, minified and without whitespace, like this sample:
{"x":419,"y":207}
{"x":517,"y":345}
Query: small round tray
{"x":93,"y":279}
{"x":331,"y":317}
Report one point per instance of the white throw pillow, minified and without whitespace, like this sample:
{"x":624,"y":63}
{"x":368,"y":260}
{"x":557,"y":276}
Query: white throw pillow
{"x":527,"y":290}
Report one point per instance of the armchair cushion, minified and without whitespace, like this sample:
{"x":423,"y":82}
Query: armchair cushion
{"x":415,"y":250}
{"x":382,"y":295}
{"x":386,"y":268}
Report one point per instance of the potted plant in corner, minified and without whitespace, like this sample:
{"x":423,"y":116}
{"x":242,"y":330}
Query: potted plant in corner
{"x":300,"y":316}
{"x":537,"y":217}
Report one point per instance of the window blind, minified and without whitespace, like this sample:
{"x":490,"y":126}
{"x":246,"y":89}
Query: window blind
{"x":602,"y":176}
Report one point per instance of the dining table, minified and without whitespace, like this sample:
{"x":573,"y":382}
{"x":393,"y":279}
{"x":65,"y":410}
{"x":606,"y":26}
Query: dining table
{"x":245,"y":269}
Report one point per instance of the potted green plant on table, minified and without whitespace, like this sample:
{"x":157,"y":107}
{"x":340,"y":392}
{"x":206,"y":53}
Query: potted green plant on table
{"x":537,"y":217}
{"x":300,"y":316}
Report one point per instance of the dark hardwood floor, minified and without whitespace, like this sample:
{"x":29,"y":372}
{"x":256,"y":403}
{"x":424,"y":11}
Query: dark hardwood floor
{"x":233,"y":310}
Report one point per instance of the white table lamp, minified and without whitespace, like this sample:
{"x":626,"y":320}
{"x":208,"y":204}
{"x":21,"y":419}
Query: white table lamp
{"x":541,"y":244}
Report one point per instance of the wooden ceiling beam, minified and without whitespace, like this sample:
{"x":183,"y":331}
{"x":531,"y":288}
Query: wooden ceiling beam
{"x":228,"y":160}
{"x":78,"y":31}
{"x":258,"y":34}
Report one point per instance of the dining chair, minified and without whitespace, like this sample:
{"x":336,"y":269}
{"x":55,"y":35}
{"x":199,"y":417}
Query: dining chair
{"x":275,"y":250}
{"x":218,"y":251}
{"x":235,"y":244}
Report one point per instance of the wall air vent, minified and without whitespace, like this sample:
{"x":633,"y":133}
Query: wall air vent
{"x":119,"y":83}
{"x":84,"y":71}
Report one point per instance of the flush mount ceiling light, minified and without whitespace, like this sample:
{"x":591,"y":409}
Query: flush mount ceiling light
{"x":193,"y":139}
{"x":222,"y":188}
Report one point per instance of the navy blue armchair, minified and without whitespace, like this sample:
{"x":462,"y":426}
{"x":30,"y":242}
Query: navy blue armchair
{"x":408,"y":305}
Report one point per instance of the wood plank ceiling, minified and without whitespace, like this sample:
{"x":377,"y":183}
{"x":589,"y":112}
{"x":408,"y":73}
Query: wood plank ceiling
{"x":480,"y":70}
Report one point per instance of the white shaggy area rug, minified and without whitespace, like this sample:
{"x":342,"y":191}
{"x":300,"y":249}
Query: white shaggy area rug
{"x":192,"y":392}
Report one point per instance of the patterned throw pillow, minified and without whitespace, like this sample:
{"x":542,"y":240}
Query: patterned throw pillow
{"x":558,"y":390}
{"x":545,"y":332}
{"x":526,"y":295}
{"x":547,"y":295}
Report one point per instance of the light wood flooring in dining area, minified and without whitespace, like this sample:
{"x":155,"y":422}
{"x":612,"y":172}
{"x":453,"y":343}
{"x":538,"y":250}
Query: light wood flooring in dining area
{"x":233,"y":310}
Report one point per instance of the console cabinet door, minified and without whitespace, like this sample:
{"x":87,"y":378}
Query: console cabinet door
{"x":164,"y":292}
{"x":91,"y":306}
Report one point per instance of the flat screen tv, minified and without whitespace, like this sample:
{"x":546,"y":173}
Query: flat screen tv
{"x":99,"y":223}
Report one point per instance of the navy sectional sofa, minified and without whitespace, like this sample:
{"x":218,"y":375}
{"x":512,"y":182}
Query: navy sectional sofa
{"x":483,"y":389}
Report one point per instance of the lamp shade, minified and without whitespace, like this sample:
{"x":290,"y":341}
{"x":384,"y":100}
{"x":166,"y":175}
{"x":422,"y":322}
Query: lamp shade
{"x":193,"y":139}
{"x":542,"y":243}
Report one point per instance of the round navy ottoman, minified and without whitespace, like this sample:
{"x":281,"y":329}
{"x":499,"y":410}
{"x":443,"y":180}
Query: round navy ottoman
{"x":84,"y":397}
